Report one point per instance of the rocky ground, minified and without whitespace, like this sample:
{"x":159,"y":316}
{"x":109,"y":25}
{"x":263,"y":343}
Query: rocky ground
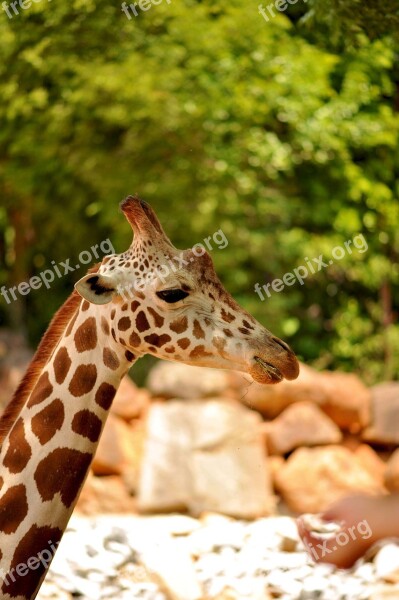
{"x":210,"y":442}
{"x":177,"y":557}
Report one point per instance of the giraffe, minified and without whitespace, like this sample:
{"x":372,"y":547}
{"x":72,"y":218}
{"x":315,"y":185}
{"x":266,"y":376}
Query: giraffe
{"x":50,"y":430}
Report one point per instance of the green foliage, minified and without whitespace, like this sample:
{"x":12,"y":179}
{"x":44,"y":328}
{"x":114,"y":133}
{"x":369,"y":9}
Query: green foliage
{"x":220,"y":120}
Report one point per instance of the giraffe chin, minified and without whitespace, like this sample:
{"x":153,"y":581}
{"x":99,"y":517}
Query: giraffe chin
{"x":264,"y":372}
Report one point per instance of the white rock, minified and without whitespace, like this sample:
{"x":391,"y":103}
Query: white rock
{"x":204,"y":456}
{"x":387,"y":562}
{"x":174,"y":568}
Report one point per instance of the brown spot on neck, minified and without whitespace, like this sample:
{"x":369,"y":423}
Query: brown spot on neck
{"x":104,"y":395}
{"x":62,"y":364}
{"x":86,"y":335}
{"x":34,"y":542}
{"x":110,"y":359}
{"x":41,"y":391}
{"x":19,"y":451}
{"x":13,"y":508}
{"x":48,"y":421}
{"x":87,"y":424}
{"x":62,"y":471}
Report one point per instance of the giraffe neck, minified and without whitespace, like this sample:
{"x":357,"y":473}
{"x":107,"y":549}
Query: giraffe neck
{"x":46,"y":455}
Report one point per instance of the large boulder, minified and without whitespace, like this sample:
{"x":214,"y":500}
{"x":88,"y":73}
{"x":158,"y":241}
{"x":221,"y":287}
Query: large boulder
{"x":392,"y":472}
{"x":130,"y":402}
{"x":313,"y":478}
{"x":205,"y":456}
{"x":120,"y":448}
{"x":384,"y":426}
{"x":105,"y":495}
{"x":301,"y":424}
{"x":342,"y":396}
{"x":177,"y":380}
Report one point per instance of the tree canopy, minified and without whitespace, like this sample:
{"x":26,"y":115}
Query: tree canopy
{"x":282,"y":133}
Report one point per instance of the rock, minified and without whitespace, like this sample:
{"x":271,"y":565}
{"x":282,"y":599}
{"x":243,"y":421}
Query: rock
{"x":384,"y":428}
{"x":384,"y":592}
{"x":119,"y":449}
{"x":173,"y":569}
{"x":130,"y":402}
{"x":370,"y":460}
{"x":105,"y":495}
{"x":313,"y":478}
{"x":301,"y":424}
{"x":271,"y":400}
{"x":275,"y":463}
{"x":177,"y":380}
{"x":392,"y":472}
{"x":204,"y":456}
{"x":387,"y":563}
{"x":347,"y":400}
{"x":342,"y":396}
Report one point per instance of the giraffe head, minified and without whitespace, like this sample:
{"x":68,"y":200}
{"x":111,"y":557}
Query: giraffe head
{"x":170,"y":303}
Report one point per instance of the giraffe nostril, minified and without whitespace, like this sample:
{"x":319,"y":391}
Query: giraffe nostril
{"x":283,"y":345}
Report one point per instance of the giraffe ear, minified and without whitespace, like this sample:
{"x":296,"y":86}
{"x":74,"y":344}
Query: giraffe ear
{"x":97,"y":289}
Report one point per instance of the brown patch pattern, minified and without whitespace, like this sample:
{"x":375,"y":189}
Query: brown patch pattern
{"x":198,"y":332}
{"x":86,"y":335}
{"x":179,"y":325}
{"x":87,"y":424}
{"x":47,"y":422}
{"x":41,"y":391}
{"x":19,"y":451}
{"x":36,"y":540}
{"x":110,"y":359}
{"x":158,"y":319}
{"x":129,"y":355}
{"x":13,"y":508}
{"x":142,"y":323}
{"x":134,"y":339}
{"x":183,"y":343}
{"x":124,"y":324}
{"x":104,"y":325}
{"x":104,"y":395}
{"x":62,"y":471}
{"x":157,"y":340}
{"x":83,"y":380}
{"x":226,"y":316}
{"x":199,"y":351}
{"x":62,"y":364}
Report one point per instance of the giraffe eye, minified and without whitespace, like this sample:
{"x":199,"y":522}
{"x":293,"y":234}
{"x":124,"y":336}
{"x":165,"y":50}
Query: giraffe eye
{"x":172,"y":296}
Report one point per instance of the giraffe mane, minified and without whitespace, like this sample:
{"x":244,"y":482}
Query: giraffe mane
{"x":44,"y":351}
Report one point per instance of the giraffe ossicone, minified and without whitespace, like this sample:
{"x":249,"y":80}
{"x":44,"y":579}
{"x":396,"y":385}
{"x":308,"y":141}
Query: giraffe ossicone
{"x":50,"y":430}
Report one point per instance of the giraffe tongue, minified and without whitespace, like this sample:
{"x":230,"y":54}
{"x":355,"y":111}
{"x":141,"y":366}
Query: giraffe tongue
{"x":273,"y":372}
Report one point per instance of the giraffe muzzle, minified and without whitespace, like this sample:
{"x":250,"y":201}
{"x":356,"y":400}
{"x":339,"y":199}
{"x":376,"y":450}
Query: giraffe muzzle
{"x":270,"y":370}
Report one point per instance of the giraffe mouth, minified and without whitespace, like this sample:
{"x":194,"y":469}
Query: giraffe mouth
{"x":270,"y":370}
